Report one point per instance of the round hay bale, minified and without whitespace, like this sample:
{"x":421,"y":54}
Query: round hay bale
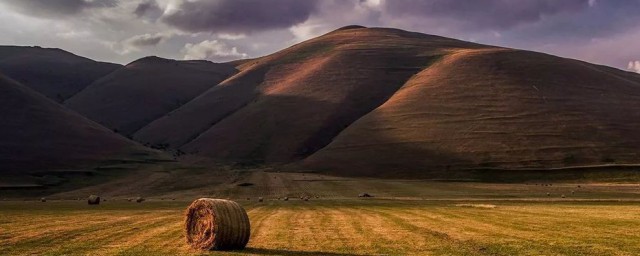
{"x":260,"y":199}
{"x":93,"y":200}
{"x":217,"y":224}
{"x":44,"y":200}
{"x":139,"y":200}
{"x":286,"y":198}
{"x":364,"y":195}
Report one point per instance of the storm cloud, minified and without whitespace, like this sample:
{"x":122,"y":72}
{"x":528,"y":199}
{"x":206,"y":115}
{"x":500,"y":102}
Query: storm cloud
{"x":486,"y":14}
{"x":149,"y":8}
{"x":57,"y":8}
{"x":600,"y":31}
{"x":239,"y":16}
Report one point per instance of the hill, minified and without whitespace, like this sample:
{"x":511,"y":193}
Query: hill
{"x":144,"y":90}
{"x":37,"y":133}
{"x":387,"y":102}
{"x":53,"y":72}
{"x":494,"y":109}
{"x":285,"y":106}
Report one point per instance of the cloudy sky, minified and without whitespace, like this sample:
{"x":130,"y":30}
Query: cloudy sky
{"x":600,"y":31}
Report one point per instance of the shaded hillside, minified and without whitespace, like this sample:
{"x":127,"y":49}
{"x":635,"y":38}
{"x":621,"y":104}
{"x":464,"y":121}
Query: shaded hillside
{"x":287,"y":105}
{"x":494,"y":109}
{"x":37,"y":133}
{"x":53,"y":72}
{"x":146,"y":89}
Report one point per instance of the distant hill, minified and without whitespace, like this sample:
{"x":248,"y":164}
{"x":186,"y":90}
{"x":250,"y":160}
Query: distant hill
{"x":287,"y":105}
{"x":378,"y":102}
{"x":37,"y":133}
{"x":144,"y":90}
{"x":53,"y":72}
{"x":385,"y":102}
{"x":494,"y":109}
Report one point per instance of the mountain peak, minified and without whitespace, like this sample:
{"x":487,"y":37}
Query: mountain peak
{"x":350,"y":27}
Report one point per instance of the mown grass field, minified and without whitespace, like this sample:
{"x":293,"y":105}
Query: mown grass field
{"x":331,"y":227}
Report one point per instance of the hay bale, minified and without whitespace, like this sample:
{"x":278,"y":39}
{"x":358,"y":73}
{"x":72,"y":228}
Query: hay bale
{"x":563,"y":196}
{"x":93,"y":200}
{"x":216,"y":224}
{"x":548,"y":194}
{"x":260,"y":199}
{"x":364,"y":195}
{"x":306,"y":198}
{"x":139,"y":200}
{"x":44,"y":200}
{"x":285,"y":198}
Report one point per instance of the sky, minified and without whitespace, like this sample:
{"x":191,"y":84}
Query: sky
{"x":121,"y":31}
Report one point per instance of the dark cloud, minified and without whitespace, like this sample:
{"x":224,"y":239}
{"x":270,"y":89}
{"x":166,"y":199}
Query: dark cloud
{"x":57,"y":8}
{"x":146,"y":40}
{"x":239,"y":16}
{"x":149,"y":8}
{"x":486,"y":14}
{"x":604,"y":19}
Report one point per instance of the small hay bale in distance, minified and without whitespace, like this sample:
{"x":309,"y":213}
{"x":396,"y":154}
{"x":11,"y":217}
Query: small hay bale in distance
{"x":93,"y":200}
{"x":285,"y":198}
{"x":364,"y":195}
{"x":44,"y":200}
{"x":260,"y":199}
{"x":139,"y":200}
{"x":216,"y":224}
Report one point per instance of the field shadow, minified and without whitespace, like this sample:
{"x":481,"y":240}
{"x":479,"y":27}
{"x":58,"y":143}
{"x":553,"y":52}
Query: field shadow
{"x":264,"y":251}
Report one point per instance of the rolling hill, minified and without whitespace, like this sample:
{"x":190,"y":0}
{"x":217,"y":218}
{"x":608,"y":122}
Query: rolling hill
{"x":37,"y":133}
{"x":285,"y":106}
{"x":376,"y":102}
{"x":387,"y":102}
{"x":495,"y":109}
{"x":53,"y":72}
{"x":144,"y":90}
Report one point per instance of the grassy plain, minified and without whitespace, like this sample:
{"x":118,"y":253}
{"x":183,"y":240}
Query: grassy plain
{"x":405,"y":217}
{"x":331,"y":227}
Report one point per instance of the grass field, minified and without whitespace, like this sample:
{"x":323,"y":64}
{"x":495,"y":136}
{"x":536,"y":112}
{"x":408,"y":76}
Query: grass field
{"x":331,"y":227}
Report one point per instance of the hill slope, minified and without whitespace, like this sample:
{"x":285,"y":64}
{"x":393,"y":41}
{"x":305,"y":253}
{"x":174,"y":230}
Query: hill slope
{"x":37,"y":133}
{"x":494,"y":109}
{"x":53,"y":72}
{"x":285,"y":106}
{"x":144,"y":90}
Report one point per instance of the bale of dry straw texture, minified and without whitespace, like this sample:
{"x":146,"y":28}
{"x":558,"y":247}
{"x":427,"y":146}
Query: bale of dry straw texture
{"x":93,"y":199}
{"x":217,"y":224}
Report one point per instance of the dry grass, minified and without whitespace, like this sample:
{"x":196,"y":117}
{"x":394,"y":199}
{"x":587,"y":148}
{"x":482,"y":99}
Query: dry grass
{"x":342,"y":227}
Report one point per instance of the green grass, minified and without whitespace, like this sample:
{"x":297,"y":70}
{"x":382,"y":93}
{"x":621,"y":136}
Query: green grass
{"x":331,"y":227}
